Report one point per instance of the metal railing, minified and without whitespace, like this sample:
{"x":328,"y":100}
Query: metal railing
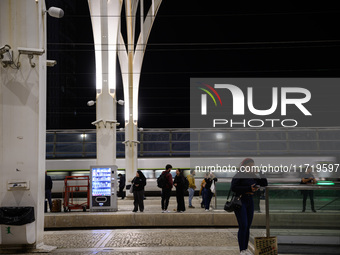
{"x":197,"y":142}
{"x":294,"y":188}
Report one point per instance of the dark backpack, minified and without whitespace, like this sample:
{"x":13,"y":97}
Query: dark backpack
{"x":162,"y":181}
{"x":186,"y":183}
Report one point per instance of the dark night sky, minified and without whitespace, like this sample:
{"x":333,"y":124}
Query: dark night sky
{"x":191,"y":39}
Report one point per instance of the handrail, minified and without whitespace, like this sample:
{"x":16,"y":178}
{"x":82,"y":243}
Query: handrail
{"x":302,"y":187}
{"x":176,"y":144}
{"x":291,"y":187}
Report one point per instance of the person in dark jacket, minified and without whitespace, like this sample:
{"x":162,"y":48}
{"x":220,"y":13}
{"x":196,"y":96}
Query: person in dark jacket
{"x":309,"y":179}
{"x":209,"y":180}
{"x":139,"y":182}
{"x":166,"y":190}
{"x":121,"y":185}
{"x":245,"y":183}
{"x":179,"y":183}
{"x":48,"y":190}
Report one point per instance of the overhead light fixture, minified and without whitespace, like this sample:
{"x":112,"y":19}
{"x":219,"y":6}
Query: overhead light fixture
{"x":55,"y":12}
{"x":30,"y":52}
{"x":91,"y":103}
{"x":120,"y":102}
{"x":6,"y":56}
{"x":51,"y":63}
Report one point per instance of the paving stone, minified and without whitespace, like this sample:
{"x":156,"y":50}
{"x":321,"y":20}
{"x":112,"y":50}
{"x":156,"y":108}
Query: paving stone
{"x":73,"y":240}
{"x":201,"y":238}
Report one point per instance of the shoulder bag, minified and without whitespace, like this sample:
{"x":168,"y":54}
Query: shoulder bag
{"x":234,"y":204}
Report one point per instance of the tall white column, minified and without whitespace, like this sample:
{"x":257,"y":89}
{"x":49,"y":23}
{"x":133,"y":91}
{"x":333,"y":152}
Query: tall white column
{"x":23,"y":110}
{"x":105,"y":17}
{"x":131,"y":60}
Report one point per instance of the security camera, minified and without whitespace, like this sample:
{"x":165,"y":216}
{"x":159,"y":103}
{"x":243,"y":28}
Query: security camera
{"x":51,"y":63}
{"x":4,"y":49}
{"x":91,"y":103}
{"x":31,"y":51}
{"x":55,"y":12}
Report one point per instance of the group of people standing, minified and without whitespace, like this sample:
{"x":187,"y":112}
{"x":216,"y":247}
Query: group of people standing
{"x":180,"y":182}
{"x":244,"y":185}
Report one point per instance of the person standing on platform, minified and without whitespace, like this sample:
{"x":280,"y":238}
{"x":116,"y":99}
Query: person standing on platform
{"x":166,"y":187}
{"x":201,"y":193}
{"x":192,"y":187}
{"x":245,"y":183}
{"x":309,"y":179}
{"x":48,"y":190}
{"x":180,"y":184}
{"x":209,"y":180}
{"x":139,"y":183}
{"x":121,"y":185}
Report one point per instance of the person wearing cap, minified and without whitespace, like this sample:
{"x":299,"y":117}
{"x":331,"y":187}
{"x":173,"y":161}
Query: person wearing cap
{"x":244,"y":184}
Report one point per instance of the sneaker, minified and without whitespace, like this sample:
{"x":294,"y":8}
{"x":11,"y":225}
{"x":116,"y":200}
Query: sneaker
{"x":134,"y":211}
{"x":207,"y":210}
{"x":190,"y":206}
{"x":163,"y":211}
{"x":245,"y":252}
{"x":166,"y":211}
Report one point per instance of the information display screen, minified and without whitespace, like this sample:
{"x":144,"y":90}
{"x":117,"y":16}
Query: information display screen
{"x":101,"y":181}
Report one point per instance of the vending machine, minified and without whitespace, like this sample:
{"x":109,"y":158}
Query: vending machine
{"x":103,"y":188}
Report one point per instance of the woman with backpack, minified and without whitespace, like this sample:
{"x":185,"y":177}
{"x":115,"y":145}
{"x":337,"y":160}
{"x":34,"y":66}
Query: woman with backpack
{"x":181,"y":184}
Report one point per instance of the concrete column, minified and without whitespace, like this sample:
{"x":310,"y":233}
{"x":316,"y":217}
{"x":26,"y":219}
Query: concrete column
{"x":23,"y":111}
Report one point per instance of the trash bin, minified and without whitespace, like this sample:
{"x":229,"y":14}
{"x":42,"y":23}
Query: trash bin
{"x":56,"y":205}
{"x":17,"y":225}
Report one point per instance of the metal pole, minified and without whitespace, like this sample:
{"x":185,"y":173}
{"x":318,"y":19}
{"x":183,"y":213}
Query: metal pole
{"x":267,"y":214}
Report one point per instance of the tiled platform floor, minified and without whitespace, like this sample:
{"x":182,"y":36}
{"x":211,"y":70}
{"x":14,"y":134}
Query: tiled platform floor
{"x":143,"y":241}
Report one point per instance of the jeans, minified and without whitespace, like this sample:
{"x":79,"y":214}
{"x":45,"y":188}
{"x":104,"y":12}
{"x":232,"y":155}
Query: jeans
{"x":165,"y":198}
{"x":307,"y":193}
{"x":244,"y":217}
{"x":191,"y":195}
{"x":48,"y":195}
{"x":207,"y":198}
{"x":180,"y":201}
{"x":203,"y":196}
{"x":121,"y":192}
{"x":138,"y":201}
